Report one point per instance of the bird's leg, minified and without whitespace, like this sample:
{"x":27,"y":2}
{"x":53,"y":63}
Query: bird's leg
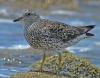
{"x":43,"y":60}
{"x":59,"y":60}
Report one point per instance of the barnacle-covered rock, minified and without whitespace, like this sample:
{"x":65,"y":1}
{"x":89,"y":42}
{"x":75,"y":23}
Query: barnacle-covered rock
{"x":36,"y":75}
{"x":71,"y":67}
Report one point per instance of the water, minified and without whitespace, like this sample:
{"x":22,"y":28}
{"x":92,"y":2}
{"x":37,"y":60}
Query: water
{"x":15,"y":53}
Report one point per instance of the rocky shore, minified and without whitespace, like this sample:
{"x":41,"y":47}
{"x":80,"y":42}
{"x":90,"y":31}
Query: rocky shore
{"x":71,"y":67}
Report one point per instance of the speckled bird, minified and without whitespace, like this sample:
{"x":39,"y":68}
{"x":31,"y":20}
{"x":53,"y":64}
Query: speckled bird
{"x":47,"y":35}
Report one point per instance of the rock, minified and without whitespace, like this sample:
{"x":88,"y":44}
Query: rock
{"x":36,"y":75}
{"x":71,"y":67}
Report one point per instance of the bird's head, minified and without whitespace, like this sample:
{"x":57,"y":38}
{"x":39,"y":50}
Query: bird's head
{"x":28,"y":16}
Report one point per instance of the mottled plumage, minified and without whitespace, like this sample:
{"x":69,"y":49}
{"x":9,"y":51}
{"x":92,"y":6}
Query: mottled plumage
{"x":50,"y":35}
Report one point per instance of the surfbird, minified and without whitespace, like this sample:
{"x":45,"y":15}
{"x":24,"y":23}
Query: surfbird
{"x":51,"y":36}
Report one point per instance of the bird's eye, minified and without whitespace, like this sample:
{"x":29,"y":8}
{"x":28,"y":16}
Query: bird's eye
{"x":28,"y":14}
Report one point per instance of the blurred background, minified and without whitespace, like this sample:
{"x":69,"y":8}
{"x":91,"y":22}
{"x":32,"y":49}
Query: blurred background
{"x":15,"y":53}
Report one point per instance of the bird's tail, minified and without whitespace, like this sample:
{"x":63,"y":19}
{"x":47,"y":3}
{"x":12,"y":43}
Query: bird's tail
{"x":86,"y":29}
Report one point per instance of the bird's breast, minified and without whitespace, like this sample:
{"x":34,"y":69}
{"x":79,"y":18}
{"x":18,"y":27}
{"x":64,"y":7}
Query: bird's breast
{"x":33,"y":38}
{"x":39,"y":40}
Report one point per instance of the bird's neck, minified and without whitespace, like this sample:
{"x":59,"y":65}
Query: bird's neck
{"x":29,"y":22}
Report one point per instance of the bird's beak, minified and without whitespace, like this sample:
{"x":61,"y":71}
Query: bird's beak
{"x":18,"y":19}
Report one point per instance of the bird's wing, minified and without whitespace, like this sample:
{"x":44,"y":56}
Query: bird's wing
{"x":60,"y":31}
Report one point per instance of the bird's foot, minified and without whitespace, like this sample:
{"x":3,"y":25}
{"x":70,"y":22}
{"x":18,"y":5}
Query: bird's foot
{"x":58,"y":70}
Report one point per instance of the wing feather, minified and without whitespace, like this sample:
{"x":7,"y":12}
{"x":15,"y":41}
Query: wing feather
{"x":60,"y":31}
